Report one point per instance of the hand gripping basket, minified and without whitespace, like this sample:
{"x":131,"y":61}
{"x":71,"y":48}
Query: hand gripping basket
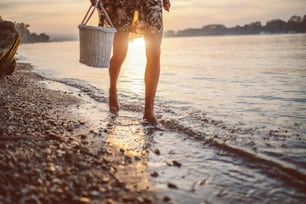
{"x":96,"y":41}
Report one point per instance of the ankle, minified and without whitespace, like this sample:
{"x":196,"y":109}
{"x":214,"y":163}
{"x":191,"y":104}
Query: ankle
{"x":149,"y":117}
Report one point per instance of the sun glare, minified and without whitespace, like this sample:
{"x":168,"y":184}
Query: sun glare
{"x":136,"y":54}
{"x":137,"y":43}
{"x":134,"y":67}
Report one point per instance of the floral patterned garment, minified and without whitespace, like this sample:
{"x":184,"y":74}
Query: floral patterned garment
{"x":137,"y":16}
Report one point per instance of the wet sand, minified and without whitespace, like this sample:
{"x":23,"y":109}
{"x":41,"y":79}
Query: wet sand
{"x":60,"y":145}
{"x":46,"y":156}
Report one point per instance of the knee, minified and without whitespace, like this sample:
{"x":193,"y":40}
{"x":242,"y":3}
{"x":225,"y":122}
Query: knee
{"x":117,"y":60}
{"x":153,"y":55}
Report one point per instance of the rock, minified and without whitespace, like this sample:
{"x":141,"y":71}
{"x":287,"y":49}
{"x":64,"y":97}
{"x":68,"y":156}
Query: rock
{"x":128,"y":198}
{"x":83,"y":137}
{"x":110,"y":201}
{"x":176,"y":163}
{"x":84,"y":200}
{"x":9,"y":42}
{"x":52,"y":165}
{"x":167,"y":199}
{"x":173,"y":186}
{"x":154,"y":174}
{"x":157,"y":152}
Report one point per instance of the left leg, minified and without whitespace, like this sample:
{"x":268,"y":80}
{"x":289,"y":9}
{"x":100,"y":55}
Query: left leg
{"x":120,"y":47}
{"x":153,"y":42}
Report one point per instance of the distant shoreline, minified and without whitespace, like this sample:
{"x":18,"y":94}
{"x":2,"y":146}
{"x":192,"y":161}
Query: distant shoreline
{"x":165,"y":36}
{"x":295,"y":24}
{"x":186,"y":36}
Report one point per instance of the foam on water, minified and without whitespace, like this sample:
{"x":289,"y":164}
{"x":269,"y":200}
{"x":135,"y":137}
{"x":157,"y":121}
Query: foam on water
{"x":200,"y":167}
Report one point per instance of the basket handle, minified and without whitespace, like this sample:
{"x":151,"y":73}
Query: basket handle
{"x":91,"y":11}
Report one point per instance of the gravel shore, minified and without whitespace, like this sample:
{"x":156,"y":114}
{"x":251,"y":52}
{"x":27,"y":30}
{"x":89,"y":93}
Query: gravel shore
{"x":45,"y":152}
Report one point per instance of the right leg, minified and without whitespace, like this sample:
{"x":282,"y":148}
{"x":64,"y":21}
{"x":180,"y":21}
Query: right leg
{"x":120,"y":47}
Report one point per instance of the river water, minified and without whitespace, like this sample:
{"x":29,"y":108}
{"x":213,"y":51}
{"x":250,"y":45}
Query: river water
{"x":236,"y":102}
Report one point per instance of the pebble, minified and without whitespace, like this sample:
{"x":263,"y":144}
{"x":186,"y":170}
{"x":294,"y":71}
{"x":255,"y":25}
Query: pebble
{"x":176,"y":163}
{"x":110,"y":201}
{"x":157,"y":152}
{"x":84,"y":200}
{"x":166,"y":199}
{"x":51,"y":164}
{"x":154,"y":174}
{"x":173,"y":186}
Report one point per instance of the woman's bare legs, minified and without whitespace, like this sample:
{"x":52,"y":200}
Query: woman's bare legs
{"x":153,"y":42}
{"x":120,"y":47}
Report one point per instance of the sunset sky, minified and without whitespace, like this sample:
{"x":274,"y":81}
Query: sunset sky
{"x":63,"y":16}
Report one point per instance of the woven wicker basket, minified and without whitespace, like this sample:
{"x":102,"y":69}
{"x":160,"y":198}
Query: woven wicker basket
{"x":95,"y":45}
{"x":95,"y":42}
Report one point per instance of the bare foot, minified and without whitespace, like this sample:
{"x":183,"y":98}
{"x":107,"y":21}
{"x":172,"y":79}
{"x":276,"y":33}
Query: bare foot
{"x":113,"y":102}
{"x":150,"y":118}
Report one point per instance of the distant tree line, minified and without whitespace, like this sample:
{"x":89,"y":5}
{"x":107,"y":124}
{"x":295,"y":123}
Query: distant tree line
{"x":295,"y":24}
{"x":27,"y":36}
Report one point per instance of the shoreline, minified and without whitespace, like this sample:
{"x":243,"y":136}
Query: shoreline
{"x":59,"y":144}
{"x":46,"y":154}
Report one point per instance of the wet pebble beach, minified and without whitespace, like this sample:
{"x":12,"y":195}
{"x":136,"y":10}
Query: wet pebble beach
{"x":59,"y":144}
{"x":46,"y":157}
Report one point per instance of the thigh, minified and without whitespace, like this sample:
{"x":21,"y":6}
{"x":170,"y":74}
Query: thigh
{"x":120,"y":45}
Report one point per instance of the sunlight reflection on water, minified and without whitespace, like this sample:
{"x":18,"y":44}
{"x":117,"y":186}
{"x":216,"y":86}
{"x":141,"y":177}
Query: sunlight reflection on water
{"x":132,"y":76}
{"x":257,"y":79}
{"x":248,"y":91}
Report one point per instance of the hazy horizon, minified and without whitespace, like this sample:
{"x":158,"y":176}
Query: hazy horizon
{"x":62,"y":17}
